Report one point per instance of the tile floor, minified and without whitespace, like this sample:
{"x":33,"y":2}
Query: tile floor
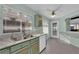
{"x":56,"y":46}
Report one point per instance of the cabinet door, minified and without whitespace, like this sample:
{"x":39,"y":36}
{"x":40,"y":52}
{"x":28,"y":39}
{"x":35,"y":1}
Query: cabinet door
{"x":24,"y":50}
{"x":34,"y":40}
{"x":4,"y":51}
{"x":21,"y":48}
{"x":35,"y":48}
{"x":26,"y":43}
{"x":15,"y":47}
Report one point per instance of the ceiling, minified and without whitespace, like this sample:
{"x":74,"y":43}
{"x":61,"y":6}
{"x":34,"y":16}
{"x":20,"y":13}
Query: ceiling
{"x":46,"y":9}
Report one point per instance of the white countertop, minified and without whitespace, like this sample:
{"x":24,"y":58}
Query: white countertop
{"x":10,"y":42}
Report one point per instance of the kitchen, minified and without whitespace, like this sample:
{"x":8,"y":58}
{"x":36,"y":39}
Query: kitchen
{"x":35,"y":28}
{"x":21,"y":30}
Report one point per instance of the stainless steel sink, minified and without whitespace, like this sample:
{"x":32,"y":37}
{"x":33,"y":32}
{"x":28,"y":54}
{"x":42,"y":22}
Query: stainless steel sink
{"x":28,"y":36}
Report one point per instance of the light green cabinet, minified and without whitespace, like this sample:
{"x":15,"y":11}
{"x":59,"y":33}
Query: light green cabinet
{"x":34,"y":40}
{"x":26,"y":47}
{"x":24,"y":50}
{"x":35,"y":48}
{"x":15,"y":48}
{"x":19,"y":47}
{"x":4,"y":51}
{"x":26,"y":43}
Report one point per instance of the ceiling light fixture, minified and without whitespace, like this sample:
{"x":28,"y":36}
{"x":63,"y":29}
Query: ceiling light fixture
{"x":53,"y":14}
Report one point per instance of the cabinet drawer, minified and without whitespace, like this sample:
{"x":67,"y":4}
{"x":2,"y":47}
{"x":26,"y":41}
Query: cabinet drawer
{"x":24,"y":50}
{"x":15,"y":47}
{"x":34,"y":40}
{"x":34,"y":43}
{"x":26,"y":43}
{"x":4,"y":51}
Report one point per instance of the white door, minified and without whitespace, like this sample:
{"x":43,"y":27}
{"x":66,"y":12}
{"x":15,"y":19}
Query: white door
{"x":55,"y":29}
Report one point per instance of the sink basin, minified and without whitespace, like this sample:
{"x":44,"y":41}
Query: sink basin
{"x":25,"y":37}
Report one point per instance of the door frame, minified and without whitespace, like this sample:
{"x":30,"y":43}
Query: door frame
{"x":57,"y":27}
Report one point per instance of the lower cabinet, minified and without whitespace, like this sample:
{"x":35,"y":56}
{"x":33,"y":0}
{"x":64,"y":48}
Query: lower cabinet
{"x":24,"y":50}
{"x":4,"y":51}
{"x":21,"y":48}
{"x":27,"y":47}
{"x":15,"y":48}
{"x":35,"y":48}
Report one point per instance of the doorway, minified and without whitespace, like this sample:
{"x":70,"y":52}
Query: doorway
{"x":55,"y":29}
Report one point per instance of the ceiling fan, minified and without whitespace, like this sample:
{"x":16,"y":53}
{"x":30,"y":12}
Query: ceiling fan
{"x":53,"y":12}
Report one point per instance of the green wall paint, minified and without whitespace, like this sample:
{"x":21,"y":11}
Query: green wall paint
{"x":62,"y":25}
{"x":49,"y":26}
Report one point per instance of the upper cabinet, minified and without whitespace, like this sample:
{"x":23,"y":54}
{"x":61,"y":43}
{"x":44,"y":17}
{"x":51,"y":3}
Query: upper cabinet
{"x":38,"y":23}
